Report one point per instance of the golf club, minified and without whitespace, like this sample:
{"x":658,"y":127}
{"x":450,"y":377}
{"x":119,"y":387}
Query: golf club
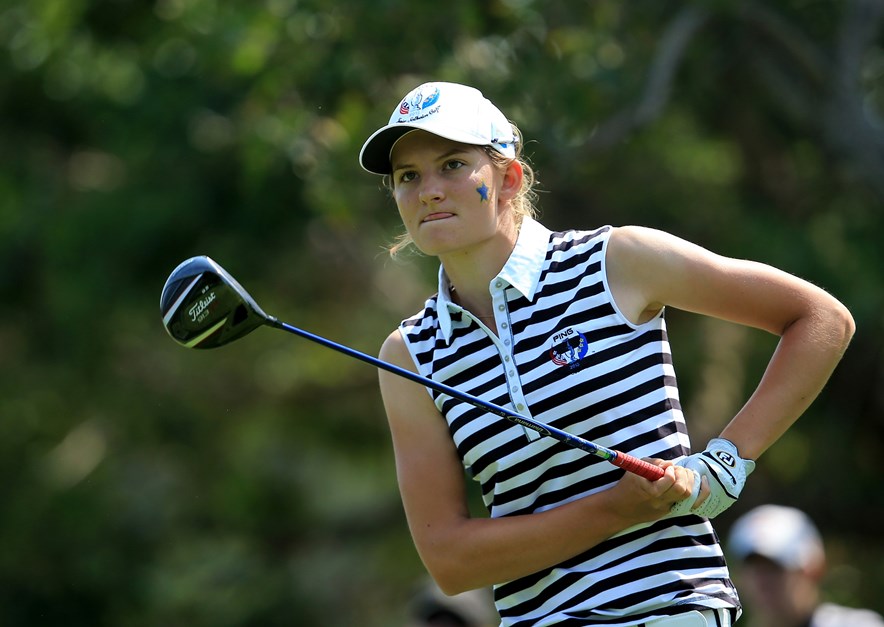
{"x":205,"y":307}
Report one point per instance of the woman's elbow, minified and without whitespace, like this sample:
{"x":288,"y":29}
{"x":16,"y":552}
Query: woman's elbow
{"x":842,"y":326}
{"x":454,"y":568}
{"x":451,"y":577}
{"x":452,"y":587}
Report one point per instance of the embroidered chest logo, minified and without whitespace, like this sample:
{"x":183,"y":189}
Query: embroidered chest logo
{"x":569,"y":347}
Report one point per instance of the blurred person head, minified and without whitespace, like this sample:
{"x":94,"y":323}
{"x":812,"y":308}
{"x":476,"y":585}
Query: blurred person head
{"x":431,"y":607}
{"x":781,"y":561}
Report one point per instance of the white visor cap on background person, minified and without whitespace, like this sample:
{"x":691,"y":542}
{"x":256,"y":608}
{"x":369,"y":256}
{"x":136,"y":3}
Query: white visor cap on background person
{"x":784,"y":535}
{"x":450,"y":110}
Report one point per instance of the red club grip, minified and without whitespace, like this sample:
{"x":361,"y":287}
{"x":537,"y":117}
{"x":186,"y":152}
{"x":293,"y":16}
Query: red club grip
{"x":638,"y":466}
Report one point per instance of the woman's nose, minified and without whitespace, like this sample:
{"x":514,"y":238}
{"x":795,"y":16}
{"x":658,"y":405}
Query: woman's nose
{"x":430,"y":193}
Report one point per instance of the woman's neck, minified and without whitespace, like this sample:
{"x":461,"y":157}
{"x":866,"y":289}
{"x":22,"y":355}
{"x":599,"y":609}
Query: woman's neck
{"x":470,"y":272}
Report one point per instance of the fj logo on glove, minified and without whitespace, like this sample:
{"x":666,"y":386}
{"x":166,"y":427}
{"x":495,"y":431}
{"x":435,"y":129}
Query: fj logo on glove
{"x":726,"y":458}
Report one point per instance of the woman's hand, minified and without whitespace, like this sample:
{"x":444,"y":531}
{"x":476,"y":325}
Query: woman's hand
{"x":639,"y":500}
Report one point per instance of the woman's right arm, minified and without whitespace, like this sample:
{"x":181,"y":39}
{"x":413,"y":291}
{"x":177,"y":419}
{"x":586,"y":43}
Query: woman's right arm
{"x":463,"y":553}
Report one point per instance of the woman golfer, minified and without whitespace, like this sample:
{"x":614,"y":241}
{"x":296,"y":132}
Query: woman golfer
{"x":567,"y":327}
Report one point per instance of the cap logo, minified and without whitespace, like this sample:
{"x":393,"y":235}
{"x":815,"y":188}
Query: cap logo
{"x":417,"y":106}
{"x":419,"y":102}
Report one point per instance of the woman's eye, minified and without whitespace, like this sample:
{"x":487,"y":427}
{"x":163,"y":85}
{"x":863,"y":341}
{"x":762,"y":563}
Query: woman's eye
{"x":453,"y":165}
{"x":407,"y":177}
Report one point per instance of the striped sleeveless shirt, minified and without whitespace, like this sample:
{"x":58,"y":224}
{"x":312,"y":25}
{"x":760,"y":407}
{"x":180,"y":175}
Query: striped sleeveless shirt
{"x":566,"y":356}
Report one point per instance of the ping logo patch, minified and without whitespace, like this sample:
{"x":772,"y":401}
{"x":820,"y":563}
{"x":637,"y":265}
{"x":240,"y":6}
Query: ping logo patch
{"x":569,"y":347}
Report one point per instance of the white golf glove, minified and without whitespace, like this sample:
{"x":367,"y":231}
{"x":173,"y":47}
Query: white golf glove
{"x":684,"y":507}
{"x":726,"y":472}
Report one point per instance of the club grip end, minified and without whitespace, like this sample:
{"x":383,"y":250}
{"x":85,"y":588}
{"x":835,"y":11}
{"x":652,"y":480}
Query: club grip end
{"x":638,"y":466}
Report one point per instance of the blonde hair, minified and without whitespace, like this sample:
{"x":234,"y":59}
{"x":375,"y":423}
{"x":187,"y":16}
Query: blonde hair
{"x":523,"y":203}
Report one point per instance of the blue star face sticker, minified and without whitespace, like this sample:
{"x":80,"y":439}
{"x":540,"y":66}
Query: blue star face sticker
{"x":483,"y":191}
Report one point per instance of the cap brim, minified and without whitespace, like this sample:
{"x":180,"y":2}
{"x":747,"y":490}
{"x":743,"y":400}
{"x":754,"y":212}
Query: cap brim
{"x":375,"y":153}
{"x":777,"y":557}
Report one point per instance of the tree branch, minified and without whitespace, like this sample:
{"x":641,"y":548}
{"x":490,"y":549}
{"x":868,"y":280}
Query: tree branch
{"x":658,"y":87}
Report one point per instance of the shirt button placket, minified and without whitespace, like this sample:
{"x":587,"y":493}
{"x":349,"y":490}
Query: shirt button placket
{"x":498,"y":297}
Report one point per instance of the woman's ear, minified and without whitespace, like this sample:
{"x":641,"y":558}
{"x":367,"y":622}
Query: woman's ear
{"x":512,"y":180}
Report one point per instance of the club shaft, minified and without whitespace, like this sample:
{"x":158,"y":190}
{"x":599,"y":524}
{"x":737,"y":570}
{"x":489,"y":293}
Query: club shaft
{"x":622,"y":460}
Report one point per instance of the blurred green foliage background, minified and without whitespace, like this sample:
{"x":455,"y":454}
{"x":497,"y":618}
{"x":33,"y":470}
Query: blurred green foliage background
{"x":143,"y":484}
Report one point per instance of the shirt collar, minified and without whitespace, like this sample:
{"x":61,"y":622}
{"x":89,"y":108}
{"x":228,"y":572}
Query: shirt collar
{"x":521,"y":271}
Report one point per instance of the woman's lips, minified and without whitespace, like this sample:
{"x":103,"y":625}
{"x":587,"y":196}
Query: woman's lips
{"x":437,"y":216}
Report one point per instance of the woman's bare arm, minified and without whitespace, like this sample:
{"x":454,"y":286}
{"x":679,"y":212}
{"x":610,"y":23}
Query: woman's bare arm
{"x":649,"y":269}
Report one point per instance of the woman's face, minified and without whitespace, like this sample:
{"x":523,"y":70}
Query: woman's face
{"x":447,"y":193}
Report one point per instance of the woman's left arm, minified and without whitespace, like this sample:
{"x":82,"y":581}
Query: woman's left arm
{"x":650,"y":269}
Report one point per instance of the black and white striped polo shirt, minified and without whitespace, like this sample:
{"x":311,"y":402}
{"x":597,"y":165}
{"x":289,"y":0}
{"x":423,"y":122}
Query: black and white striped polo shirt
{"x":566,"y":356}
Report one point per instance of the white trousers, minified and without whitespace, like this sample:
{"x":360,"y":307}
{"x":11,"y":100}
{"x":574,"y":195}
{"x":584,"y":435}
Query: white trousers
{"x":706,"y":618}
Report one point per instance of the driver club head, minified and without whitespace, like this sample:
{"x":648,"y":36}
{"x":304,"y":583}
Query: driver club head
{"x":204,"y":307}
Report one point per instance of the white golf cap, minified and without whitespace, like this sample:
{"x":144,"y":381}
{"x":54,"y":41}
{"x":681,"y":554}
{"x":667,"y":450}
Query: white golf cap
{"x":456,"y":112}
{"x":784,"y":535}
